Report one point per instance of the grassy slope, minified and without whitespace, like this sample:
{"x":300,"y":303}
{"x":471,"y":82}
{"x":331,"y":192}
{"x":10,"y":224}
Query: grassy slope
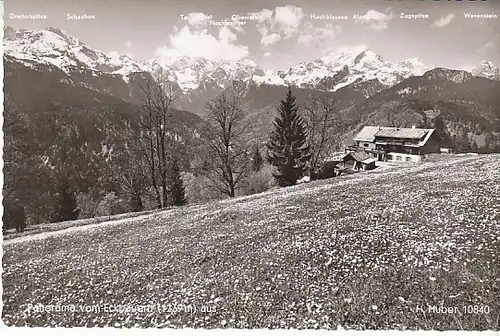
{"x":315,"y":256}
{"x":51,"y":227}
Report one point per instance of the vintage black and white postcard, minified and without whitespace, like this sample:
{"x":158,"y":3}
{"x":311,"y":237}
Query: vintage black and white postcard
{"x":217,"y":164}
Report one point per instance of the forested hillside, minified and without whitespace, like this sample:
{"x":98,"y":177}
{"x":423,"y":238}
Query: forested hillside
{"x":65,"y":139}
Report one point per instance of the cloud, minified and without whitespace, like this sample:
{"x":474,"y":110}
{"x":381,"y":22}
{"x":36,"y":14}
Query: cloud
{"x":225,"y":34}
{"x":267,"y":54}
{"x":443,"y":21}
{"x":265,"y":15}
{"x":270,"y":39}
{"x":197,"y":19}
{"x":193,"y":39}
{"x":377,"y":20}
{"x":288,"y":19}
{"x":352,"y":49}
{"x":284,"y":21}
{"x":318,"y":34}
{"x":305,"y":39}
{"x":486,"y":47}
{"x":328,"y":31}
{"x":128,"y":43}
{"x":189,"y":42}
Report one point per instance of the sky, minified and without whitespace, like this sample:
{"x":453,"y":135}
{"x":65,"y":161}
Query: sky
{"x":275,"y":34}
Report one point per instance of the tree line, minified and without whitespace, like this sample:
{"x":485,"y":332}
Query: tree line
{"x":149,"y":166}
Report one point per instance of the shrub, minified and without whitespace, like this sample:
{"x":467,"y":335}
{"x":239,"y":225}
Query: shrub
{"x":260,"y":181}
{"x":136,"y":204}
{"x":87,"y":204}
{"x":199,"y":189}
{"x":14,"y":216}
{"x":111,"y":204}
{"x":326,"y":170}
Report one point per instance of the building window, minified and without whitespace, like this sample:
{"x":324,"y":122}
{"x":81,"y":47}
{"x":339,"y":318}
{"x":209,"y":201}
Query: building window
{"x":389,"y":157}
{"x":366,"y":145}
{"x":399,"y":158}
{"x":408,"y":159}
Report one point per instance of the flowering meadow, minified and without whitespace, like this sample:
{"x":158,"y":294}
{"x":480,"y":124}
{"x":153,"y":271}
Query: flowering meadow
{"x":374,"y":250}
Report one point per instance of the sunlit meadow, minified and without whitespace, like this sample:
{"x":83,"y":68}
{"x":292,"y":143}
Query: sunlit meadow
{"x":361,"y":251}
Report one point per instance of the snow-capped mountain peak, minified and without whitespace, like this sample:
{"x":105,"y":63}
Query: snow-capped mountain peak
{"x":190,"y":72}
{"x":488,"y":70}
{"x":56,"y":47}
{"x":346,"y":66}
{"x":345,"y":56}
{"x":414,"y":63}
{"x":68,"y":38}
{"x":340,"y":68}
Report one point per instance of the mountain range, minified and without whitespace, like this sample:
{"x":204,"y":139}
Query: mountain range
{"x":199,"y":79}
{"x":355,"y":76}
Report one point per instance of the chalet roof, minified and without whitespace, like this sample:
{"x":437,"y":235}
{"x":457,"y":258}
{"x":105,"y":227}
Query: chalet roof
{"x":337,"y":156}
{"x":359,"y":156}
{"x":429,"y":133}
{"x":369,"y":133}
{"x":402,"y":133}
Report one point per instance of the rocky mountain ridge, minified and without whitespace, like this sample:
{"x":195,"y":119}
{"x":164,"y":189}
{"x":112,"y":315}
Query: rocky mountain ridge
{"x":200,"y":78}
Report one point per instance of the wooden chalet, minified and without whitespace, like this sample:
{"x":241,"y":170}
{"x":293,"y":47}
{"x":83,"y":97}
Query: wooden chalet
{"x":395,"y":144}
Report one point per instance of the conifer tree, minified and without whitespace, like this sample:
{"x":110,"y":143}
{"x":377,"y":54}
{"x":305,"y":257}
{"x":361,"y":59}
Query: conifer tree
{"x":462,"y":143}
{"x":442,"y":136}
{"x":68,"y":209}
{"x":177,"y":189}
{"x":287,"y":149}
{"x":257,"y":161}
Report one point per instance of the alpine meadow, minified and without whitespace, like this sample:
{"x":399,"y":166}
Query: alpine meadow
{"x":251,"y":166}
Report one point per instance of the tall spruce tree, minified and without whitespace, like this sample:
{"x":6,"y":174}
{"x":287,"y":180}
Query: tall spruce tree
{"x":257,"y":160}
{"x":177,"y":189}
{"x":287,"y":149}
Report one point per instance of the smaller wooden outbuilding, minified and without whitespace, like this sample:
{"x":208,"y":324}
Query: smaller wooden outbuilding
{"x":358,"y":161}
{"x":345,"y":163}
